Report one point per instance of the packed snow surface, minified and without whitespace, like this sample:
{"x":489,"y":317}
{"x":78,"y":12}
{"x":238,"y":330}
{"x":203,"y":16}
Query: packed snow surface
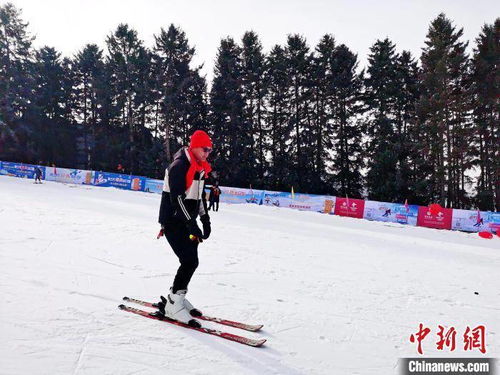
{"x":336,"y":295}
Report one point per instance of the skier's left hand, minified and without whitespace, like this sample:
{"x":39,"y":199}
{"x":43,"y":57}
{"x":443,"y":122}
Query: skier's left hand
{"x":207,"y":229}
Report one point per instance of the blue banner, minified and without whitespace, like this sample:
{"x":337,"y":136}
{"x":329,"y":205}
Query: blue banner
{"x":297,"y":201}
{"x":153,"y":186}
{"x":466,"y":220}
{"x":391,"y":212}
{"x":494,"y":220}
{"x":239,"y":195}
{"x":20,"y":170}
{"x":275,"y":198}
{"x":120,"y":181}
{"x":475,"y":221}
{"x":69,"y":176}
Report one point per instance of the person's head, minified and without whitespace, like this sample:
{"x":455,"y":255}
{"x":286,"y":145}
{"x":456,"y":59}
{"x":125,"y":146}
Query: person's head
{"x":200,"y":145}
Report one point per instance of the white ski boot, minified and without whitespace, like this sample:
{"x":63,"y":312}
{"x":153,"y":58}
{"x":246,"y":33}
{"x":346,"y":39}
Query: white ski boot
{"x":189,"y":306}
{"x":175,"y":309}
{"x":192,"y":310}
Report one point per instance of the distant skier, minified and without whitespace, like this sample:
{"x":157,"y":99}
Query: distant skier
{"x":214,"y":197}
{"x":38,"y":175}
{"x":387,"y":213}
{"x":182,"y":201}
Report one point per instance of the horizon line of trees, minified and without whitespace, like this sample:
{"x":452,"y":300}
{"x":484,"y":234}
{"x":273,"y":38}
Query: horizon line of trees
{"x":426,"y":130}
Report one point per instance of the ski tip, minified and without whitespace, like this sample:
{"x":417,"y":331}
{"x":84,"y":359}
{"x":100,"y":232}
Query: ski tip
{"x":126,"y":298}
{"x":122,"y":306}
{"x":258,"y":328}
{"x":259,"y":343}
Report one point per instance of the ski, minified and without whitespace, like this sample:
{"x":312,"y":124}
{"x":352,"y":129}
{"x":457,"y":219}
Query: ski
{"x":224,"y":335}
{"x":230,"y":323}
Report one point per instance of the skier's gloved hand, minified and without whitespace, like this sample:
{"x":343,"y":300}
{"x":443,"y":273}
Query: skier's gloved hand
{"x":194,"y":229}
{"x":161,"y":233}
{"x":207,"y":229}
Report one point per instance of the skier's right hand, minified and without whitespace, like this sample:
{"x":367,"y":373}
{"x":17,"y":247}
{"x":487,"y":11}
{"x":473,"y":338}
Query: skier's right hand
{"x":194,"y":229}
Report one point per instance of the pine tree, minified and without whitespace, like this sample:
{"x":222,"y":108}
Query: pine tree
{"x":299,"y":69}
{"x":277,"y":103}
{"x":198,"y":99}
{"x":407,"y":147}
{"x":443,"y":113}
{"x":180,"y":89}
{"x":67,"y":156}
{"x":486,"y":89}
{"x":230,"y":131}
{"x":390,"y":97}
{"x":128,"y":63}
{"x":16,"y":85}
{"x":323,"y":111}
{"x":89,"y":80}
{"x":380,"y":93}
{"x":50,"y":99}
{"x":347,"y":161}
{"x":143,"y":102}
{"x":253,"y":92}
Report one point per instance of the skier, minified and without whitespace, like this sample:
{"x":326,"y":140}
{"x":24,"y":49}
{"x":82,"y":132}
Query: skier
{"x":182,"y":201}
{"x":38,"y":175}
{"x":479,"y":222}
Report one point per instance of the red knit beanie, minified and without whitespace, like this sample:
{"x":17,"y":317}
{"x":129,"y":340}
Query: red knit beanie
{"x":200,"y":139}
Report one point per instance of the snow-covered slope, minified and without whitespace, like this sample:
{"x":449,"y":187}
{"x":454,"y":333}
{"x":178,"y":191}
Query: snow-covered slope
{"x":336,"y":295}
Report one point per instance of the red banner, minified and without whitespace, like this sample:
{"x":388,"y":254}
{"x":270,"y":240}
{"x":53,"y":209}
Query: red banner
{"x":350,"y":207}
{"x":440,"y":219}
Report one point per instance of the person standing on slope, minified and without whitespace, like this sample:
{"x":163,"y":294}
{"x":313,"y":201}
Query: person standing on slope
{"x":38,"y":175}
{"x":214,"y":197}
{"x":181,"y":203}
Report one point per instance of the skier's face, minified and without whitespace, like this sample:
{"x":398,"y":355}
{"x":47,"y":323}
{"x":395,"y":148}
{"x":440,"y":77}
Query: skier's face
{"x":201,"y":153}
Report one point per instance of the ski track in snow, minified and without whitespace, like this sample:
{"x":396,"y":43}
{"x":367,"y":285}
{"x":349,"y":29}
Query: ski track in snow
{"x":336,"y":295}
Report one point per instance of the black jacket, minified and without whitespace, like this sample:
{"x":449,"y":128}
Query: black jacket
{"x":178,"y":204}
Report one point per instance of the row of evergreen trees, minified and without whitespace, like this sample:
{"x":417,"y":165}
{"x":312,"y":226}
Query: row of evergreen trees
{"x":295,"y":116}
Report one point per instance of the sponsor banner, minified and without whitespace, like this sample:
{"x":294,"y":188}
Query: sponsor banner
{"x":239,"y":195}
{"x":494,"y":221}
{"x":20,"y":170}
{"x":474,"y":221}
{"x":153,"y":186}
{"x":121,"y":181}
{"x":438,"y":220}
{"x":349,"y":207}
{"x":391,"y":212}
{"x":329,"y":205}
{"x":304,"y":202}
{"x":275,"y":198}
{"x":69,"y":176}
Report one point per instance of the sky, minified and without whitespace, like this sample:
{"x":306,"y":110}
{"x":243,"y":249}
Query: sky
{"x":68,"y":25}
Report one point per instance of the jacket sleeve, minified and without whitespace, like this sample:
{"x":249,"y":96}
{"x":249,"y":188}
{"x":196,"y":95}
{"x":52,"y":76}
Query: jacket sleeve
{"x":163,"y":208}
{"x":177,"y":182}
{"x":203,"y":211}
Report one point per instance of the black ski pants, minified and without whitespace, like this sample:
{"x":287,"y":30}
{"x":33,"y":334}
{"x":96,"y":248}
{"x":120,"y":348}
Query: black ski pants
{"x":214,"y":205}
{"x":186,"y":250}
